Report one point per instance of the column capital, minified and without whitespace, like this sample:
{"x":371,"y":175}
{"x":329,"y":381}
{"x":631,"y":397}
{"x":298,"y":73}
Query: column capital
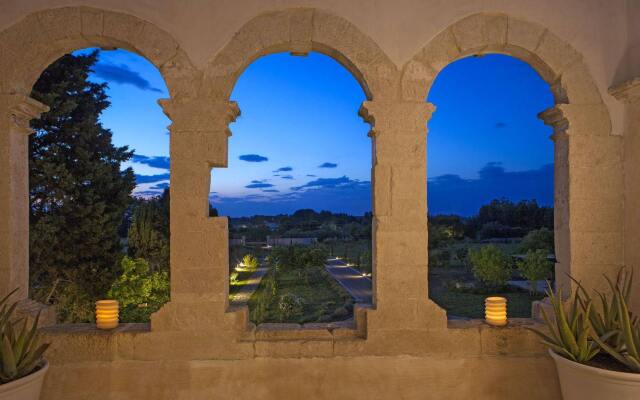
{"x":21,"y":109}
{"x":554,"y":117}
{"x":200,"y":114}
{"x":401,"y":116}
{"x":627,"y":92}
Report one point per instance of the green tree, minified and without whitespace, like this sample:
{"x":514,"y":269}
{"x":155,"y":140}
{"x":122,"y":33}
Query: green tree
{"x":535,"y":267}
{"x":78,"y":191}
{"x":491,"y":266}
{"x":148,"y":236}
{"x":139,"y":291}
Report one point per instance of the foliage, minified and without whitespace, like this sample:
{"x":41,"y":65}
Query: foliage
{"x":439,"y":258}
{"x":148,"y":235}
{"x":293,"y":257}
{"x":250,"y":262}
{"x":315,"y":297}
{"x":20,"y":351}
{"x":617,"y":331}
{"x":289,"y":306}
{"x":539,"y":239}
{"x":524,"y":215}
{"x":77,"y":190}
{"x":491,"y":266}
{"x":494,"y":229}
{"x":569,"y":332}
{"x":535,"y":267}
{"x":444,"y":229}
{"x":365,"y":263}
{"x":139,"y":291}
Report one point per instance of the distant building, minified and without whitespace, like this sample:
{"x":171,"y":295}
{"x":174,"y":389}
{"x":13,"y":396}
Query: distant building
{"x":237,"y":241}
{"x":288,"y":241}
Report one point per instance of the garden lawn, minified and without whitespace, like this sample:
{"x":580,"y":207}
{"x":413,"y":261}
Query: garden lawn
{"x":323,"y":299}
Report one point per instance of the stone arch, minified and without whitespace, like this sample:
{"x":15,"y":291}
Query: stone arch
{"x":581,"y":124}
{"x":557,"y":62}
{"x":27,"y":48}
{"x":301,"y":30}
{"x":32,"y":44}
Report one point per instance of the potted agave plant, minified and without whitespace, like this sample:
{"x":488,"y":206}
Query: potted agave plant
{"x":22,"y":366}
{"x":596,"y":347}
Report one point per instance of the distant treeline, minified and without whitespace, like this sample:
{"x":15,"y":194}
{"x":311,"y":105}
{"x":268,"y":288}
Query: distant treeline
{"x":500,"y":218}
{"x":303,"y":223}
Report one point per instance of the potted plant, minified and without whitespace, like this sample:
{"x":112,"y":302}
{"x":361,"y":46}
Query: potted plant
{"x":596,"y":348}
{"x":22,"y":366}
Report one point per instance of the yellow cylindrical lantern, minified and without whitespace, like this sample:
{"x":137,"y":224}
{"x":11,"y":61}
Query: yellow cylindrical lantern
{"x":495,"y":311}
{"x":106,"y":314}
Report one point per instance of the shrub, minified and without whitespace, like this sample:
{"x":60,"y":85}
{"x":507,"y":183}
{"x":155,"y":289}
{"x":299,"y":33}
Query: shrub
{"x":139,"y":291}
{"x":540,"y":239}
{"x":250,"y":262}
{"x":289,"y":306}
{"x":535,"y":267}
{"x":491,"y":266}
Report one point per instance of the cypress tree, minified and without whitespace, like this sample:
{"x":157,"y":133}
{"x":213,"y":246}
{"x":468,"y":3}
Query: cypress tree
{"x":78,"y":192}
{"x":148,"y":236}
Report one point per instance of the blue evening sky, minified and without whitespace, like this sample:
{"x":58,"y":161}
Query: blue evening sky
{"x":299,"y":142}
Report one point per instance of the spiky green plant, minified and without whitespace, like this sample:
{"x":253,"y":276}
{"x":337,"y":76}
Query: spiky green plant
{"x":20,"y":351}
{"x":626,"y":349}
{"x":568,"y":332}
{"x":605,"y":319}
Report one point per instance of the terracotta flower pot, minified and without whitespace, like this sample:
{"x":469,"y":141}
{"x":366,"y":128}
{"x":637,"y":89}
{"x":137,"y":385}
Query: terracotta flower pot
{"x":582,"y":382}
{"x":26,"y":388}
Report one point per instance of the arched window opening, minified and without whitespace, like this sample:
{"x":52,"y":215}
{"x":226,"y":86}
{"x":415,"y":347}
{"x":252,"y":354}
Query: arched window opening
{"x":297,"y":191}
{"x":98,"y":179}
{"x":490,"y":186}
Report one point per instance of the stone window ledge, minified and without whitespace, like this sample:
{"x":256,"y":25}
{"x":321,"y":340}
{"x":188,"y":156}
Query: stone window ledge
{"x":87,"y":328}
{"x":513,"y":323}
{"x":305,"y":332}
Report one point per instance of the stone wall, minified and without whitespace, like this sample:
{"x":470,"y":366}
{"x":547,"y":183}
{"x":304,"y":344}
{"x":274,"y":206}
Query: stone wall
{"x":403,"y":347}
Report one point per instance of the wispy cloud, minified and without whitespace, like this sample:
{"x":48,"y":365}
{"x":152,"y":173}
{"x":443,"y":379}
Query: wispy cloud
{"x":123,"y":75}
{"x":326,"y":182}
{"x":286,"y":177}
{"x":140,"y":179}
{"x":152,"y":161}
{"x":258,"y":185}
{"x":328,"y":165}
{"x":160,"y":186}
{"x":284,"y":169}
{"x":253,"y":158}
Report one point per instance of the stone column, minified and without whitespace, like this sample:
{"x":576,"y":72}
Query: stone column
{"x":589,"y":194}
{"x":15,"y":113}
{"x":199,"y":243}
{"x":400,"y":216}
{"x":629,"y":93}
{"x":554,"y":118}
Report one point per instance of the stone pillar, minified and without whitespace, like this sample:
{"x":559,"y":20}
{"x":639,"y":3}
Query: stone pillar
{"x":589,"y":194}
{"x":629,"y":93}
{"x":554,"y":118}
{"x":400,"y":216}
{"x":199,"y":243}
{"x":15,"y":113}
